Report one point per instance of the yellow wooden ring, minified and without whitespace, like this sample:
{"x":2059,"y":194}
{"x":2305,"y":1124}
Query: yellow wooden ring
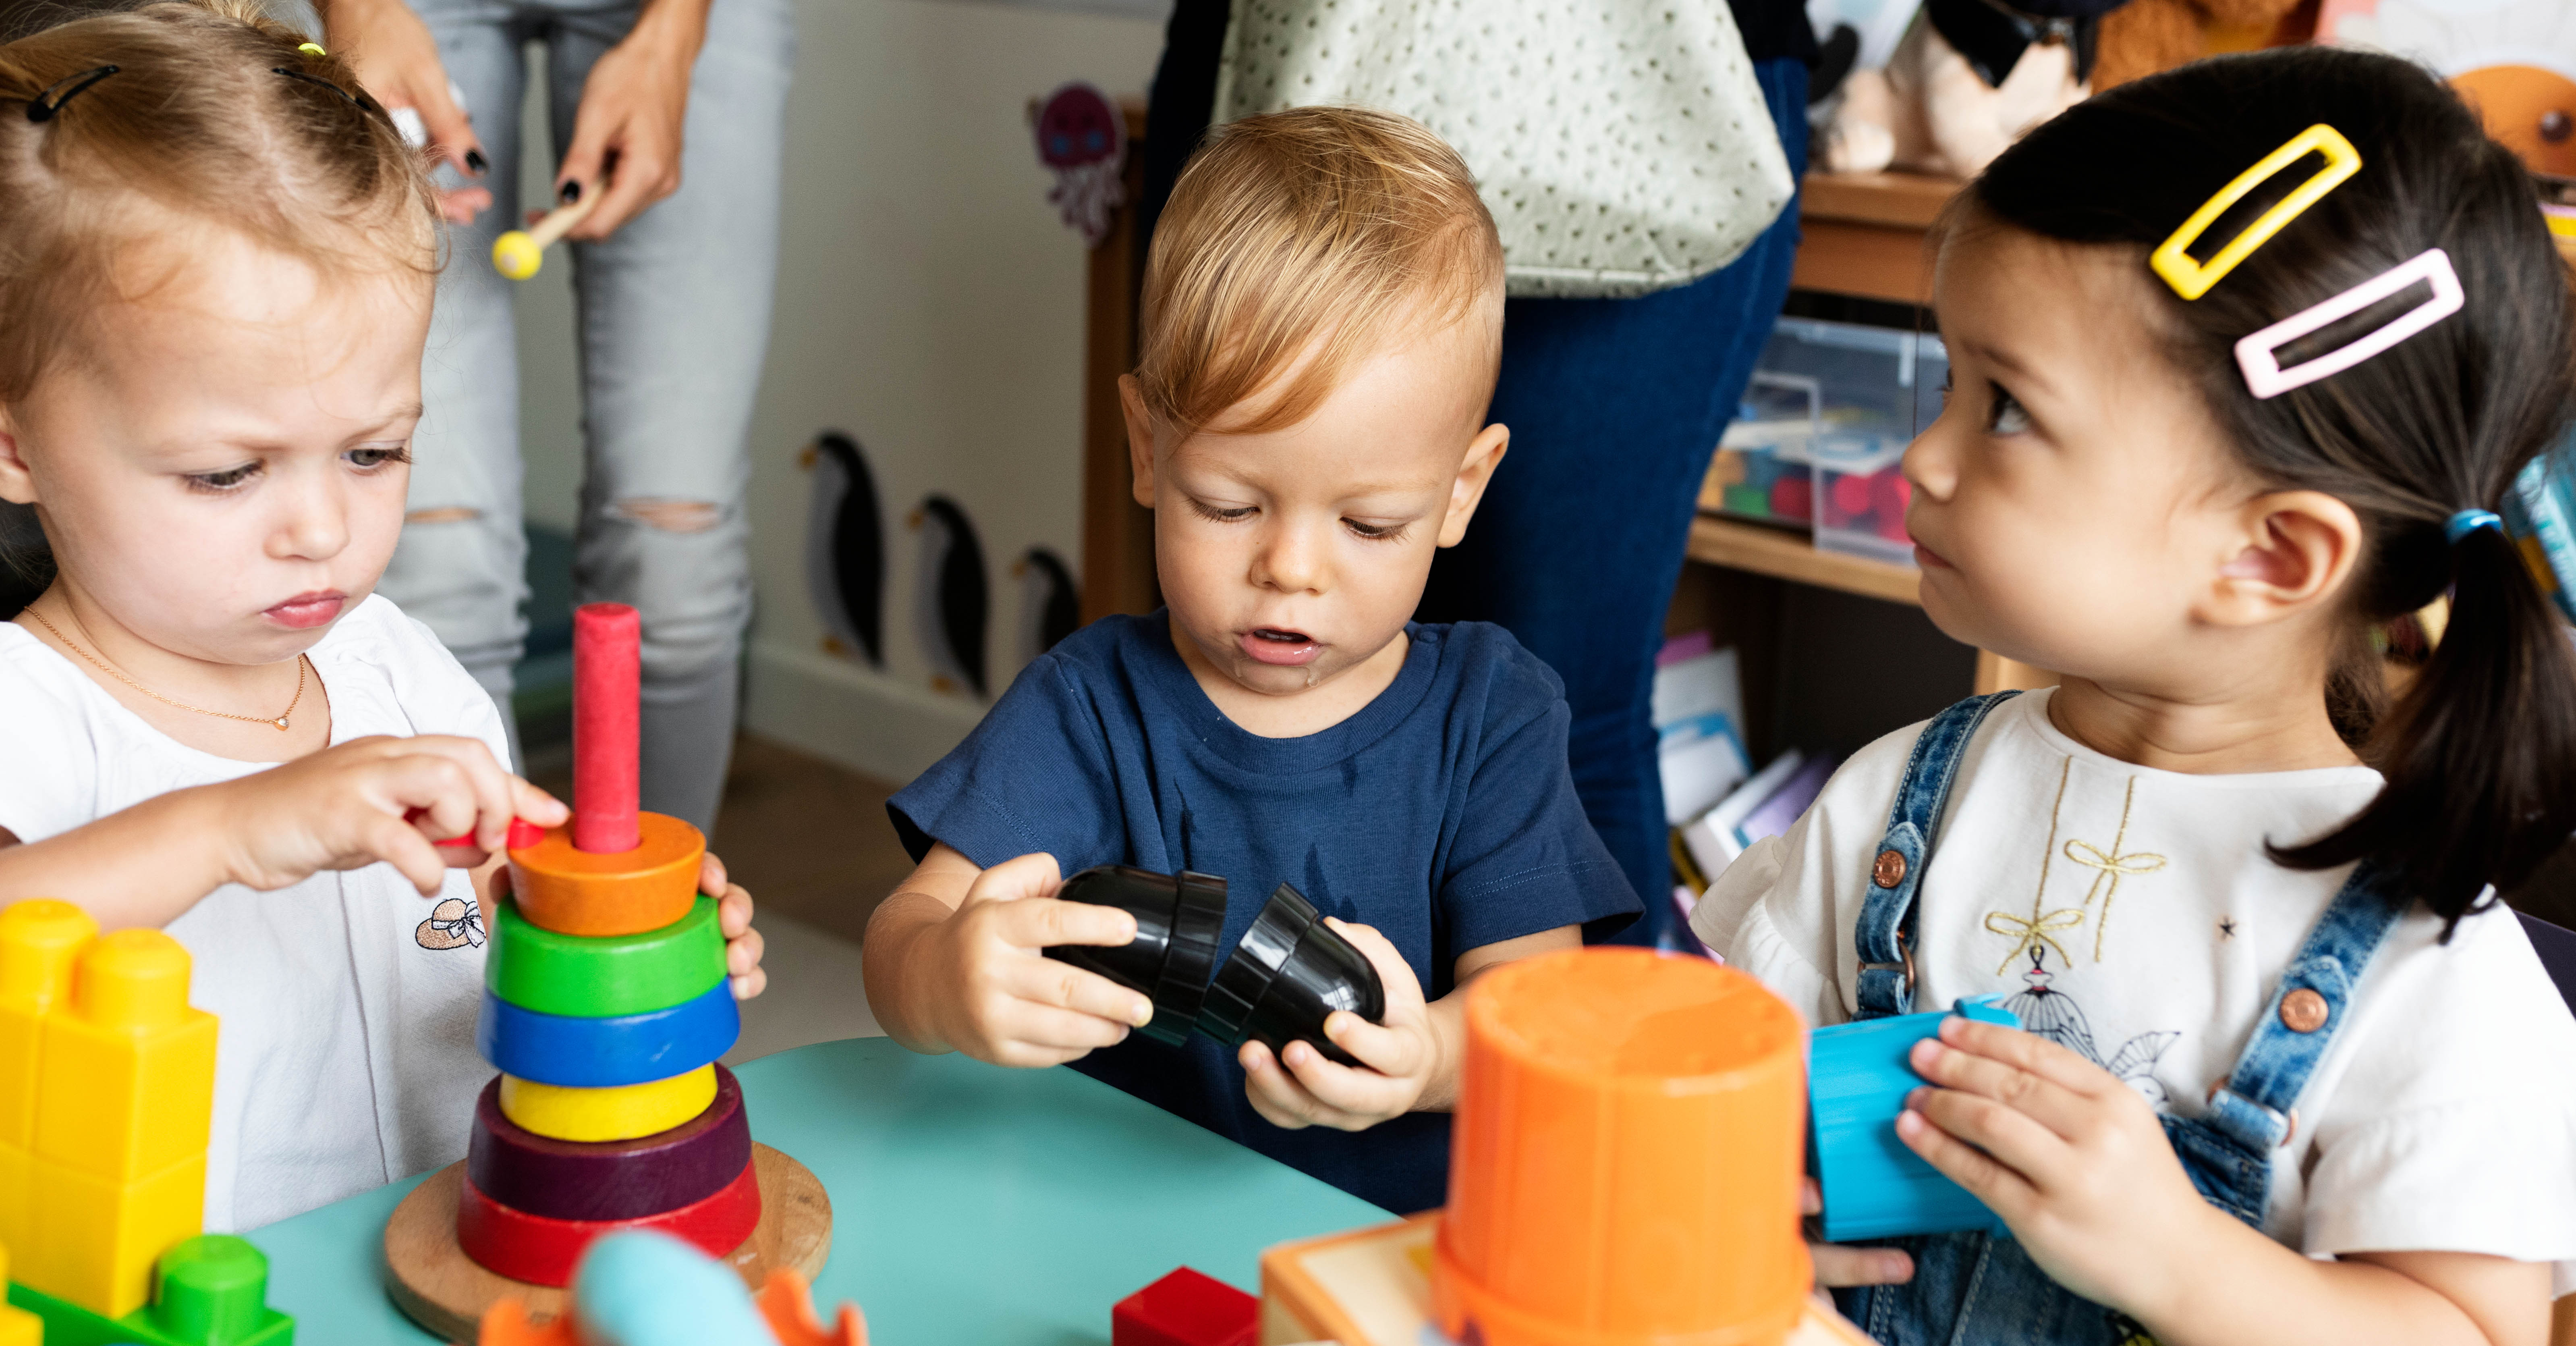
{"x":2192,"y":279}
{"x":622,"y":1113}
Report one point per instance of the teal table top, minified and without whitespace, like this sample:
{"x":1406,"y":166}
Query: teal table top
{"x":969,"y":1203}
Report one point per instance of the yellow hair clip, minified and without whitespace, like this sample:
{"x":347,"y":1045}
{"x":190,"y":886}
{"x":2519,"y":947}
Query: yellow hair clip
{"x":312,"y":49}
{"x":2192,"y":279}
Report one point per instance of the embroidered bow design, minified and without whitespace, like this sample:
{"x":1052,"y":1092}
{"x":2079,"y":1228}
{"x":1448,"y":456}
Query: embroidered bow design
{"x":2029,"y":934}
{"x":2111,"y":866}
{"x":452,"y":924}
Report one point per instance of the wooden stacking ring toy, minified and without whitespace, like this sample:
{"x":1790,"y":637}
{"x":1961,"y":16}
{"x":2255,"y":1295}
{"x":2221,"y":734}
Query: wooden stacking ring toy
{"x":593,"y":978}
{"x":1627,"y":1156}
{"x":618,"y":1180}
{"x":622,"y":1113}
{"x":575,"y":892}
{"x":540,"y":1251}
{"x":583,"y":1053}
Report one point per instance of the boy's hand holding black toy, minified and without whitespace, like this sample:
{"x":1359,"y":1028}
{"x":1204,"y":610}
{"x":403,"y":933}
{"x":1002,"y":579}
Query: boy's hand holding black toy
{"x":976,"y":985}
{"x":1287,"y":998}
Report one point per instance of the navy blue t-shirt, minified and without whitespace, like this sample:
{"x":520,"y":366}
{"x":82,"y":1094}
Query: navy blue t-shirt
{"x":1442,"y":813}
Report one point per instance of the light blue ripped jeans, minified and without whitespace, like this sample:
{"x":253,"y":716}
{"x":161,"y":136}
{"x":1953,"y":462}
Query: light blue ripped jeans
{"x":673,"y":324}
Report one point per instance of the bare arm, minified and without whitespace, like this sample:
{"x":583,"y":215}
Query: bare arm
{"x":2247,"y":1288}
{"x":341,"y":808}
{"x":953,"y":962}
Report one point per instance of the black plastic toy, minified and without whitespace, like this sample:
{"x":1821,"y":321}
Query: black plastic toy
{"x":1287,"y":976}
{"x":1179,"y":918}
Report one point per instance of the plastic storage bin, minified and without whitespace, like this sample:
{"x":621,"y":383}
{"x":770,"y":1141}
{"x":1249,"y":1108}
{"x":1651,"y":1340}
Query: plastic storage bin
{"x":1875,"y":388}
{"x":1762,"y":470}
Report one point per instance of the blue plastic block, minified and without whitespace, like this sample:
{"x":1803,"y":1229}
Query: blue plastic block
{"x":576,"y":1053}
{"x":1857,"y":1080}
{"x":646,"y":1289}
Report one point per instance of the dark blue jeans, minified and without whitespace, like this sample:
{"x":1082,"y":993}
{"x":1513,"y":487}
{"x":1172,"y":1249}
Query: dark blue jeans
{"x":1615,"y":406}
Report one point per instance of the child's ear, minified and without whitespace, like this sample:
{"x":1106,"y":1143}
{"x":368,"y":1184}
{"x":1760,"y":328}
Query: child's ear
{"x":2295,"y":551}
{"x":1474,"y":475}
{"x":1140,"y":438}
{"x":17,"y":483}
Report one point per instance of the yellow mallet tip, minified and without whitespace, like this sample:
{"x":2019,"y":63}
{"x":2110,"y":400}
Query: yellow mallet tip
{"x":516,"y":255}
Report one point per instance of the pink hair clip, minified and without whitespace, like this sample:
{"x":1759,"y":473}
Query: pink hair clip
{"x":2259,"y":354}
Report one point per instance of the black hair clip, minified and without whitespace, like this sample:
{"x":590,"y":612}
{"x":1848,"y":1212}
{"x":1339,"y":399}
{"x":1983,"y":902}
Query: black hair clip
{"x":43,"y":106}
{"x":359,"y":100}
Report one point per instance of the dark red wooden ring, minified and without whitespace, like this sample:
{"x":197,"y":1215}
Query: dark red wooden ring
{"x":540,"y":1251}
{"x":610,"y":1180}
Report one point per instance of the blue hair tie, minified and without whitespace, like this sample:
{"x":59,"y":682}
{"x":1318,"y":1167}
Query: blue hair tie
{"x":2468,"y":521}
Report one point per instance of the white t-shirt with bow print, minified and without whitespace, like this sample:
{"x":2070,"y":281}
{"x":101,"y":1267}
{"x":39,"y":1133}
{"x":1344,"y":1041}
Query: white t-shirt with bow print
{"x":345,"y":1057}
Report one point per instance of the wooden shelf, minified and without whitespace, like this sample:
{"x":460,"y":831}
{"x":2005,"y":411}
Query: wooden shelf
{"x":1787,"y":555}
{"x":1863,"y":234}
{"x":1901,"y":200}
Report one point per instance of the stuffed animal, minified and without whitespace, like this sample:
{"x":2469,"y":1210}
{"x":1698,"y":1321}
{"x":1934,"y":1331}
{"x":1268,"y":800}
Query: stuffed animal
{"x":1971,"y":76}
{"x":1968,"y":78}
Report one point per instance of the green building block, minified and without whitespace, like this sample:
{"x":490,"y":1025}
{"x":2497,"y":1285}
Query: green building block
{"x":213,"y":1291}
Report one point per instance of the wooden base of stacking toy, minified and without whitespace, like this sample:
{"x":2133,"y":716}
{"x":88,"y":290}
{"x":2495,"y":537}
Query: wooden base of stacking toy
{"x":439,"y":1287}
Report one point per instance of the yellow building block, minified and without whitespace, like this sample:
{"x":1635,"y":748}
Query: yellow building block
{"x":101,"y":1237}
{"x":17,"y":1326}
{"x":620,"y":1113}
{"x":16,"y":1176}
{"x":126,"y":1083}
{"x":38,"y":940}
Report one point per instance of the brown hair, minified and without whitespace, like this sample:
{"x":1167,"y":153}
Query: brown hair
{"x":2480,"y":753}
{"x":1327,"y":225}
{"x":213,"y":116}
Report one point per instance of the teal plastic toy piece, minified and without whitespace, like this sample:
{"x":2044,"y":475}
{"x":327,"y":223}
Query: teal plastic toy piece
{"x":640,"y":1288}
{"x":213,"y":1292}
{"x":1857,"y":1080}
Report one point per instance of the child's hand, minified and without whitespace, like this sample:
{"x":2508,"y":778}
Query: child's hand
{"x":979,"y":983}
{"x":374,"y":799}
{"x":1838,"y":1266}
{"x":743,"y":944}
{"x":2072,"y":1159}
{"x":1401,"y":1057}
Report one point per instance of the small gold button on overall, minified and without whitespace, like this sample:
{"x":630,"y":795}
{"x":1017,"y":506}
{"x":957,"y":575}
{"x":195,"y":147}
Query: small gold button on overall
{"x":1890,"y":869}
{"x":2303,"y":1011}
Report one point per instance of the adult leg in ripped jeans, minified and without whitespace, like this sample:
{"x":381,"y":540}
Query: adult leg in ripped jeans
{"x":674,"y":318}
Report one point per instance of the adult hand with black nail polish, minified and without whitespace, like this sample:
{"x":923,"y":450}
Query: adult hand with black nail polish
{"x":626,"y":136}
{"x":397,"y":62}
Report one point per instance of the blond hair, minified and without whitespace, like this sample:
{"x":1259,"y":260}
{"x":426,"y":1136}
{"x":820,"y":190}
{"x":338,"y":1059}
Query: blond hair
{"x":1317,"y":231}
{"x":214,"y":116}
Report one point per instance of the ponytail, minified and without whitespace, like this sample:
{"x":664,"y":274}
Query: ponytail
{"x":2479,"y":754}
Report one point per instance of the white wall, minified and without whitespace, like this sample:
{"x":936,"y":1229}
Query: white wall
{"x":930,"y":304}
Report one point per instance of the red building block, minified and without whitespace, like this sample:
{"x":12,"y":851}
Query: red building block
{"x":1186,"y":1309}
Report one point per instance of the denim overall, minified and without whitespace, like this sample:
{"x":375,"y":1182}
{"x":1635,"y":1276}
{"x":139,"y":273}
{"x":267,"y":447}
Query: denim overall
{"x":1979,"y":1289}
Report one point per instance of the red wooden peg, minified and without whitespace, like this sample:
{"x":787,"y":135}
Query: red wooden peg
{"x":607,"y":673}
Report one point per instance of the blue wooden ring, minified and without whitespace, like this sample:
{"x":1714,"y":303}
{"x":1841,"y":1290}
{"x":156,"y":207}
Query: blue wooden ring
{"x":579,"y":1053}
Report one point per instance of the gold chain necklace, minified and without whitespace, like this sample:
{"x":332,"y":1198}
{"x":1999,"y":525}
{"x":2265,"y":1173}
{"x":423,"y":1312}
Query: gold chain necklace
{"x":280,"y":723}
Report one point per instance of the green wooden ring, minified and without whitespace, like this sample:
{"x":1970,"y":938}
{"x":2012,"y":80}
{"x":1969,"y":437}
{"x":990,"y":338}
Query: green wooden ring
{"x":600,"y":977}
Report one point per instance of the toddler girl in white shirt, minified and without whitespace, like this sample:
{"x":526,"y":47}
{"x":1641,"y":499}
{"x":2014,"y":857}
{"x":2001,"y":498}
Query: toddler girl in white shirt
{"x":216,"y":256}
{"x":2242,"y":356}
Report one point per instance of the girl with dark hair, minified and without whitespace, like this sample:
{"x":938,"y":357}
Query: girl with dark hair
{"x":2243,"y":356}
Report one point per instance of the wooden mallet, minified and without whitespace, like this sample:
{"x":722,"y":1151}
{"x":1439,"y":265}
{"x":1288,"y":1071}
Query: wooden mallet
{"x":518,"y":253}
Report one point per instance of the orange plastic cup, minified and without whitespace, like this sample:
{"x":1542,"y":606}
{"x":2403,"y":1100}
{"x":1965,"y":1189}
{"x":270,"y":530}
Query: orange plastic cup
{"x":1627,"y":1153}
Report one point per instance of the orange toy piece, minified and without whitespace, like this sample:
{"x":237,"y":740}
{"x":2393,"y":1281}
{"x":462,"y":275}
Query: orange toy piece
{"x":785,"y":1301}
{"x":125,"y":1089}
{"x":1627,"y":1157}
{"x":570,"y":891}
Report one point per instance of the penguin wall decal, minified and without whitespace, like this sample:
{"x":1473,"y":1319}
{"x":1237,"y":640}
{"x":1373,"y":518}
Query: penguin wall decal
{"x":845,"y":549}
{"x":952,"y":600}
{"x":1050,"y":607}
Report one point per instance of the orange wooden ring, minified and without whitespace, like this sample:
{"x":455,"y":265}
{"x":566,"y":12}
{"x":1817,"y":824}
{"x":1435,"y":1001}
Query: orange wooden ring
{"x":543,"y":1251}
{"x":570,"y":891}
